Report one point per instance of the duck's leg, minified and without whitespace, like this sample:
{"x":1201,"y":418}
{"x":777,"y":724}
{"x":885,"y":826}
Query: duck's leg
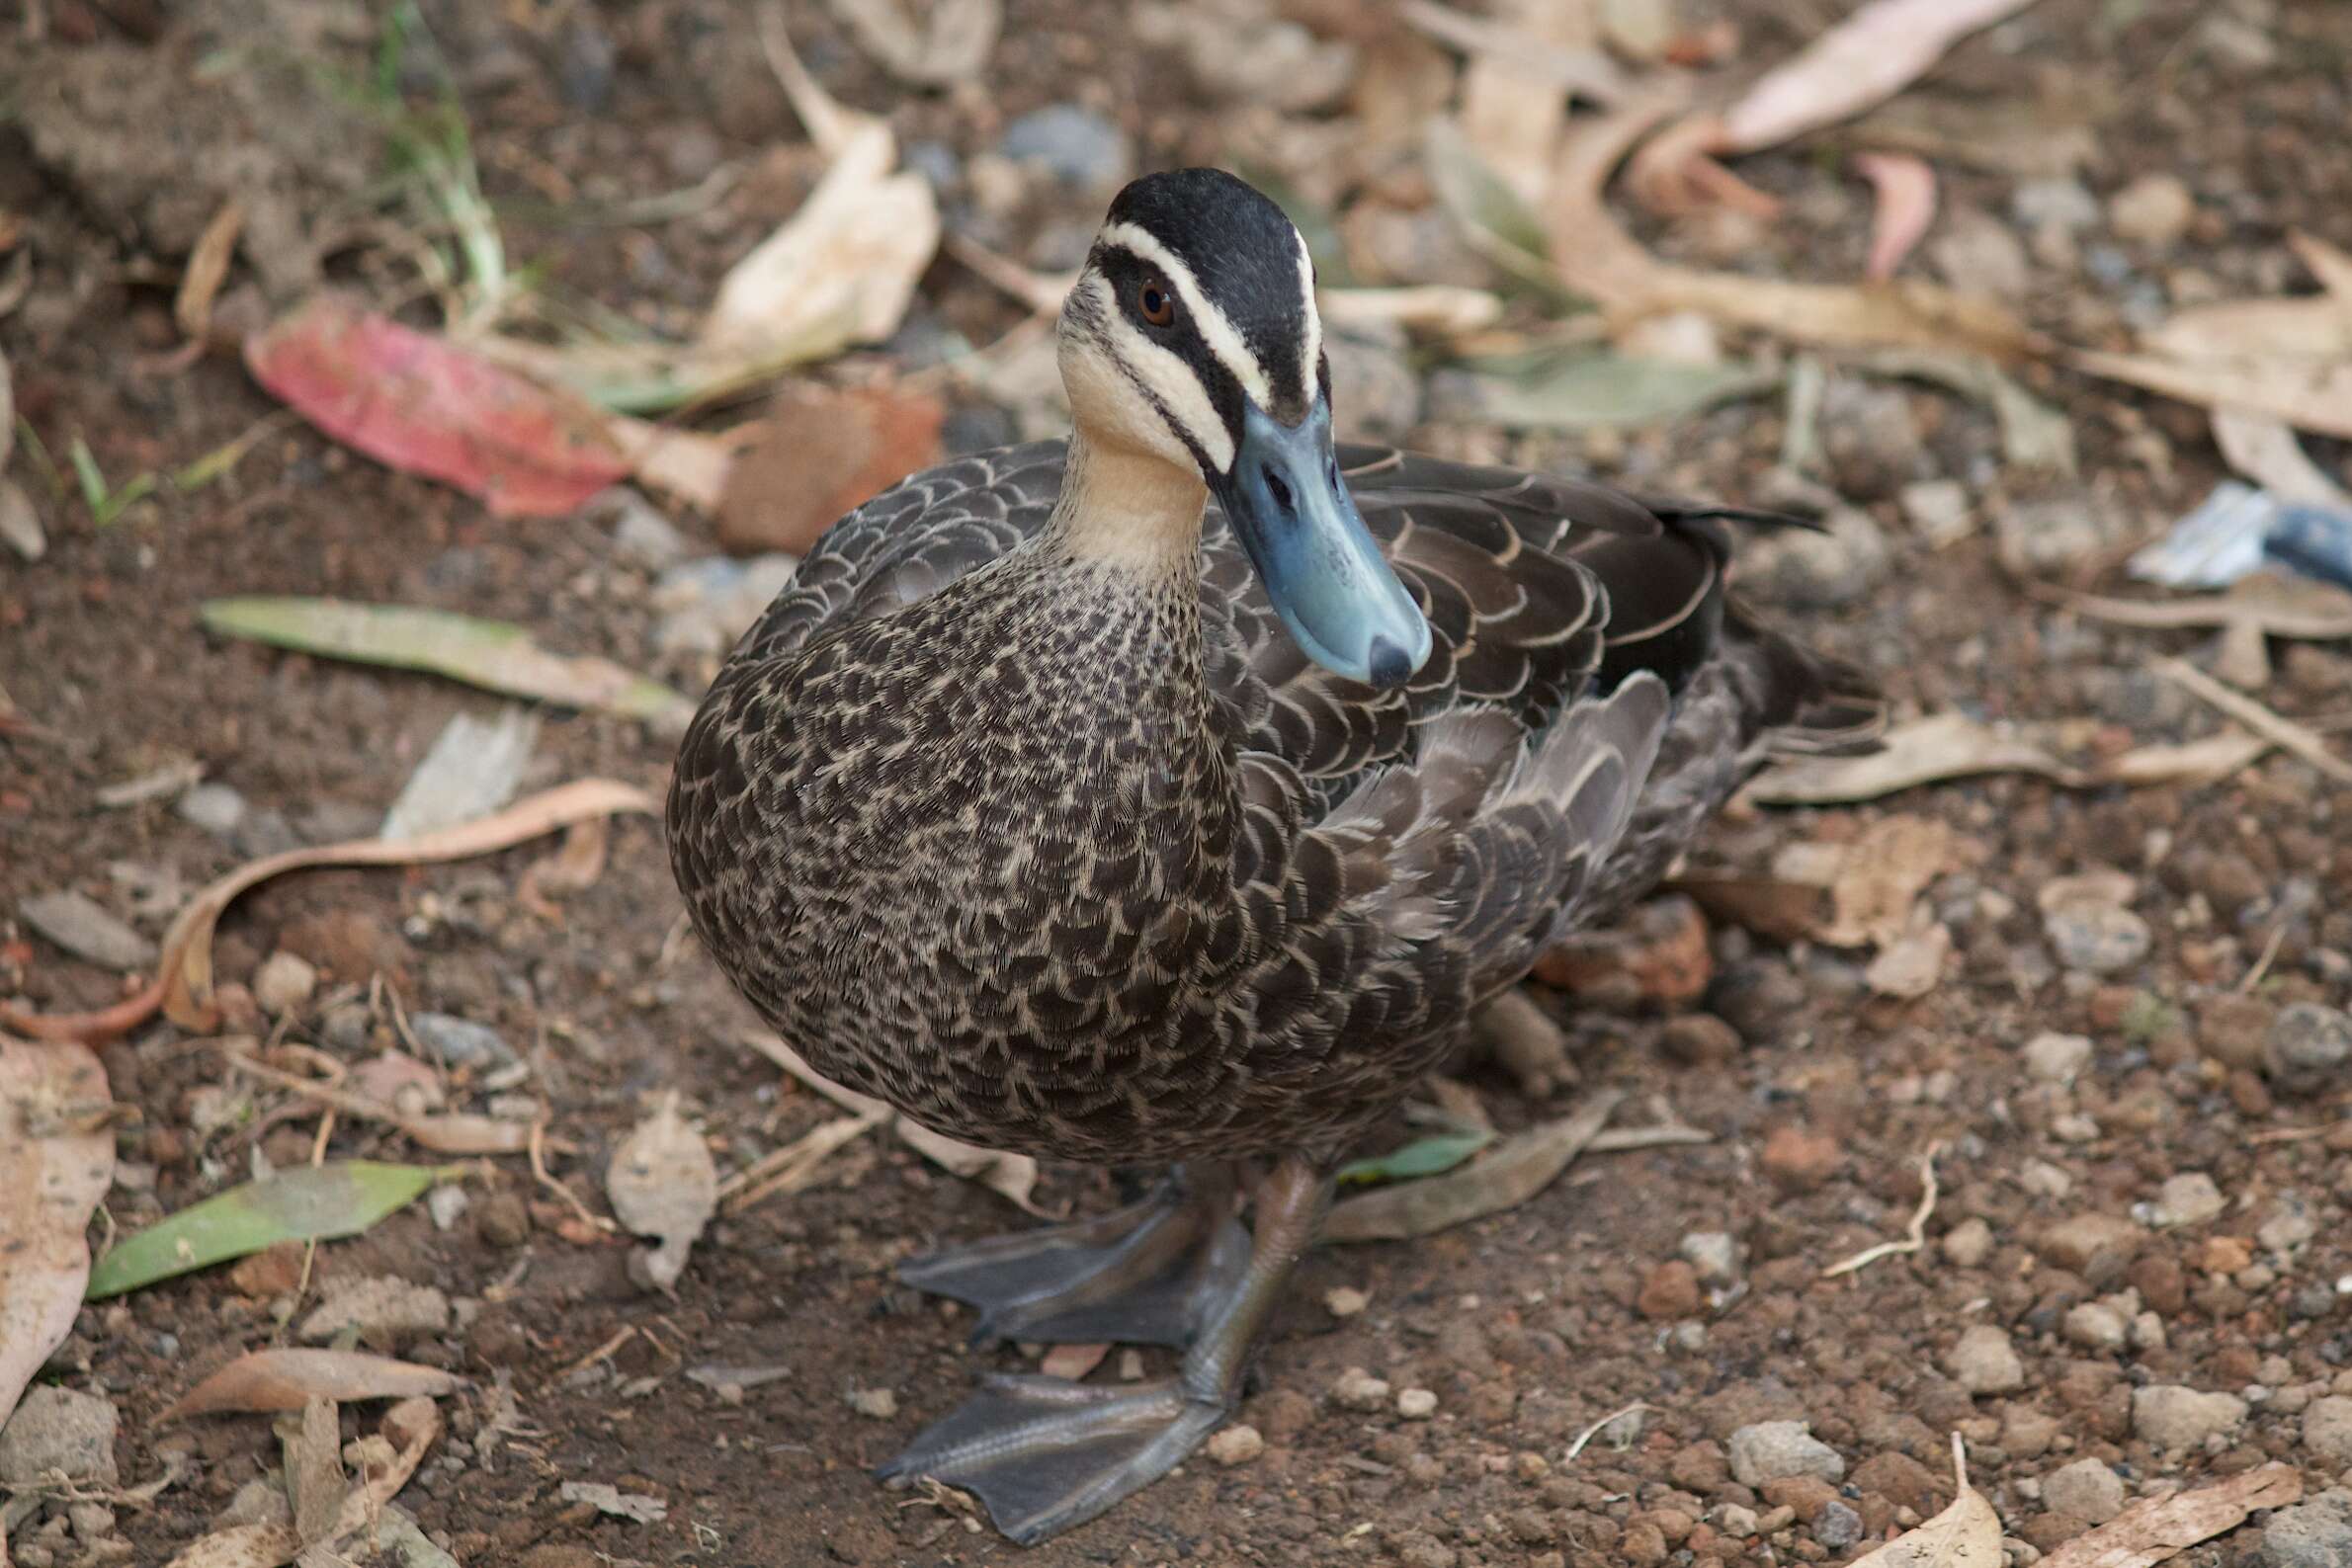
{"x":1045,"y":1455}
{"x":1142,"y":1274}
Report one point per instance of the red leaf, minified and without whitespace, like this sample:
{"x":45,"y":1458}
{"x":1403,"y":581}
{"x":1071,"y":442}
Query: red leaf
{"x":1906,"y":189}
{"x":418,"y":404}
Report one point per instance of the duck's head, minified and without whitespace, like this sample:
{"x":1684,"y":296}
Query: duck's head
{"x":1191,"y":338}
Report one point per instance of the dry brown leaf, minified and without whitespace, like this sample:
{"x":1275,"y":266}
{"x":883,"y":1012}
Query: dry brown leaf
{"x":663,"y":1183}
{"x":1536,"y":60}
{"x":208,"y":265}
{"x":1597,"y":257}
{"x":410,"y":1428}
{"x":1869,"y":57}
{"x":821,"y":452}
{"x":1907,"y":206}
{"x":2157,"y":1528}
{"x":1926,"y":750}
{"x":283,"y":1380}
{"x":1881,"y":876}
{"x":314,"y":1480}
{"x":2266,"y":451}
{"x":2309,"y":393}
{"x":1507,"y":1175}
{"x":2280,"y":607}
{"x":574,"y":867}
{"x":186,"y":975}
{"x":56,"y":1162}
{"x":1769,"y":906}
{"x":949,"y":45}
{"x":2205,"y":761}
{"x":1014,"y":1175}
{"x":1445,"y":310}
{"x":685,"y":464}
{"x":1968,"y":1535}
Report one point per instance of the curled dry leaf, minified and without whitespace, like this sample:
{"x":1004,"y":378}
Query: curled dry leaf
{"x":1595,"y":256}
{"x":186,"y":977}
{"x":56,"y":1162}
{"x":663,"y":1183}
{"x":208,"y":265}
{"x":949,"y":45}
{"x":315,"y":1472}
{"x":1869,"y":57}
{"x":2266,"y":451}
{"x":1510,"y":1172}
{"x":2157,"y":1528}
{"x":1881,"y":876}
{"x":606,"y":1498}
{"x":1926,"y":750}
{"x":1907,"y":206}
{"x":408,"y":1430}
{"x":283,"y":1380}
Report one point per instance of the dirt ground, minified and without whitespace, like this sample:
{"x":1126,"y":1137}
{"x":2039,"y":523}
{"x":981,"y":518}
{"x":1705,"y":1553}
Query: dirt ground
{"x":2061,"y":1282}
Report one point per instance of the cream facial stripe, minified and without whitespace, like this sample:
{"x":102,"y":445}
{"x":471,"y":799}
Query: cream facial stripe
{"x":1211,"y":322}
{"x":1162,"y":375}
{"x":1311,"y":357}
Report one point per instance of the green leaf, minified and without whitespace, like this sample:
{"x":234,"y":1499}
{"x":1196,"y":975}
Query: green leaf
{"x":308,"y":1202}
{"x":1422,"y":1157}
{"x":492,"y":654}
{"x":1579,"y":392}
{"x":1489,"y":210}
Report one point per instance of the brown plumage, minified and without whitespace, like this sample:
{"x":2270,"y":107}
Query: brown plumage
{"x":1096,"y":871}
{"x":1027,"y":809}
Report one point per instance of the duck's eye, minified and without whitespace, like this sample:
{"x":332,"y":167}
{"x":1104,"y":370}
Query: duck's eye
{"x":1157,"y":306}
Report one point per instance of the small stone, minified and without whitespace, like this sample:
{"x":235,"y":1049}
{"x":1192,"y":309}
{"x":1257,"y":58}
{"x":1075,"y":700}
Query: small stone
{"x":2027,"y":1433}
{"x":1770,"y":1450}
{"x":214,"y":807}
{"x":504,"y":1220}
{"x":446,"y":1205}
{"x":1843,"y":563}
{"x":876,"y":1404}
{"x":1699,"y":1040}
{"x":2087,"y":1489}
{"x":1669,"y":1292}
{"x":384,"y":1311}
{"x":1969,"y":1242}
{"x":1358,"y":1389}
{"x":1642,"y":1545}
{"x":2096,"y":1326}
{"x":2309,"y":1047}
{"x":2058,"y":1058}
{"x":1714,"y":1254}
{"x":283,"y":984}
{"x":1416,"y":1404}
{"x":642,"y":536}
{"x":1983,"y":1361}
{"x":1798,"y":1158}
{"x":2091,"y":938}
{"x":2188,"y":1198}
{"x":90,"y":1521}
{"x":2040,"y":537}
{"x":59,"y":1428}
{"x":1236,"y":1445}
{"x":2154,"y":210}
{"x":1938,"y":509}
{"x":1735,"y":1521}
{"x":2170,"y":1416}
{"x":1900,"y":1480}
{"x":2313,"y":1534}
{"x":1837,"y":1526}
{"x":461,"y":1042}
{"x":2288,"y":1226}
{"x":1345,"y":1301}
{"x":2327,"y":1429}
{"x":2098,"y":1247}
{"x":84,"y":928}
{"x":1976,"y":253}
{"x":2235,"y":1029}
{"x":2063,"y":203}
{"x":1081,"y":148}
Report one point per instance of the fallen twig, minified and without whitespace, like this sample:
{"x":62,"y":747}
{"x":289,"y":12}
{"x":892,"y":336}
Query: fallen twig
{"x":2256,"y":718}
{"x":1915,"y":1238}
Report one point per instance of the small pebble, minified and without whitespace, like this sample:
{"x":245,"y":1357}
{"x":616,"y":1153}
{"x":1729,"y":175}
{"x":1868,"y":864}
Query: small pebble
{"x":1416,"y":1404}
{"x":1345,"y":1301}
{"x":1237,"y":1444}
{"x":880,"y":1404}
{"x":1714,"y":1254}
{"x":2172,"y":1416}
{"x":2087,"y":1489}
{"x":1983,"y":1361}
{"x":1969,"y":1242}
{"x":2058,"y":1058}
{"x":1358,"y":1389}
{"x":2188,"y":1198}
{"x":283,"y":985}
{"x":1767,"y":1450}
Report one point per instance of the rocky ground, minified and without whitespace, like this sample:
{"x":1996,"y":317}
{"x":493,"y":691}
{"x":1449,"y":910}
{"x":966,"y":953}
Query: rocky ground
{"x":2135,"y":1095}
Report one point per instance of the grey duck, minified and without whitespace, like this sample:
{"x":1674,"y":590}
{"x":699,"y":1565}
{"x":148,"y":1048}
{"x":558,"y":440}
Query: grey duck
{"x":1177,"y":794}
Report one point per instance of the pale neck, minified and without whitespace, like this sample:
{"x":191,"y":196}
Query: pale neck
{"x":1131,"y":510}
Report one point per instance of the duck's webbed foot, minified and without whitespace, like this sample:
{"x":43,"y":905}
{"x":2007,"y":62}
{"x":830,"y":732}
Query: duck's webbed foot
{"x":1045,"y":1455}
{"x":1142,"y":1274}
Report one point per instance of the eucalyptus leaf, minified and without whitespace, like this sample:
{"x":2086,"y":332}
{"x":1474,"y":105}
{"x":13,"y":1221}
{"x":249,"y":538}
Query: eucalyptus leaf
{"x":1428,"y":1156}
{"x":1584,"y":391}
{"x":320,"y":1202}
{"x":492,"y":654}
{"x":1491,"y":216}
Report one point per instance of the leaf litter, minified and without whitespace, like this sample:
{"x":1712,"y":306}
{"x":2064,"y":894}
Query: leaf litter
{"x":283,"y":1378}
{"x":56,"y":1162}
{"x":390,"y":1457}
{"x":312,"y":1203}
{"x":2158,"y":1527}
{"x":662,"y":1184}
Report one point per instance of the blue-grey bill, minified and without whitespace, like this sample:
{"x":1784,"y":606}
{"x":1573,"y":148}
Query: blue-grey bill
{"x":1337,"y":597}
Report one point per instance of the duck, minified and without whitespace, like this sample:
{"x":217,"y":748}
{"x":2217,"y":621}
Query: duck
{"x":1175,"y":795}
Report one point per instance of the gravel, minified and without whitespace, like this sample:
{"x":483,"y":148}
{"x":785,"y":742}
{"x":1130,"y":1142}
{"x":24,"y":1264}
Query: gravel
{"x":2327,"y":1429}
{"x":59,"y":1428}
{"x":1358,"y":1389}
{"x":2313,"y":1534}
{"x":1983,"y":1361}
{"x":1768,"y":1450}
{"x":2087,"y":1489}
{"x":2188,"y":1198}
{"x":2170,"y":1416}
{"x":1237,"y":1444}
{"x":2058,"y":1058}
{"x":214,"y":807}
{"x":2309,"y":1046}
{"x":1968,"y":1242}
